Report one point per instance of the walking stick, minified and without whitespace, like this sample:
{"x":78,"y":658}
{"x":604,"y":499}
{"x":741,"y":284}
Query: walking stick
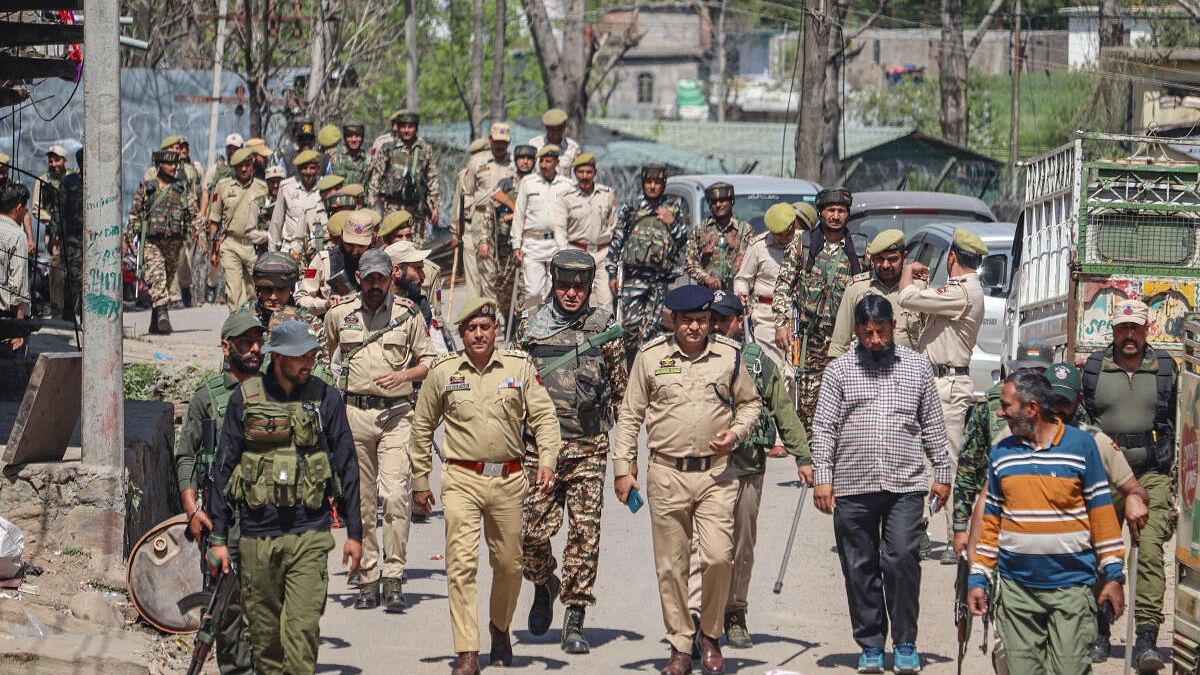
{"x":1131,"y":575}
{"x":453,"y":273}
{"x":787,"y":553}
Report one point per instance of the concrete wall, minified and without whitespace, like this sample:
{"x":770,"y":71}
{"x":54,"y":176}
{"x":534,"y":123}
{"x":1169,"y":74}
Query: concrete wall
{"x":666,"y":72}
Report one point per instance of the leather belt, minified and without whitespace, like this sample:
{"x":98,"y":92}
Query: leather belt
{"x":490,"y":469}
{"x":689,"y":464}
{"x":590,"y":248}
{"x":537,"y":234}
{"x":368,"y":402}
{"x":949,"y":371}
{"x":766,"y":300}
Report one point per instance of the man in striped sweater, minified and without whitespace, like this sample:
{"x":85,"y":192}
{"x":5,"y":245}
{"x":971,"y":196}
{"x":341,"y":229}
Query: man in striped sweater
{"x":1048,"y":525}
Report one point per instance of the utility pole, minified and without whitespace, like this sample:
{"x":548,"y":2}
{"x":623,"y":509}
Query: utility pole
{"x":410,"y":44}
{"x":1014,"y":132}
{"x":103,"y":415}
{"x":218,"y":61}
{"x":722,"y":64}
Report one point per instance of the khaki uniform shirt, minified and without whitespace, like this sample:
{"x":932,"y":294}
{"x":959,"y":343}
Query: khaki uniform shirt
{"x":293,"y":215}
{"x":954,"y":314}
{"x":347,"y":325}
{"x":541,"y":208}
{"x":485,"y":412}
{"x":313,"y":289}
{"x":592,"y":218}
{"x":756,"y":278}
{"x":568,"y":151}
{"x":684,"y":401}
{"x":908,"y":322}
{"x":233,"y":213}
{"x":479,"y":183}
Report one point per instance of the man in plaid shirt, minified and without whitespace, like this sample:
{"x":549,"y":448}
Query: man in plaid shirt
{"x":878,"y":417}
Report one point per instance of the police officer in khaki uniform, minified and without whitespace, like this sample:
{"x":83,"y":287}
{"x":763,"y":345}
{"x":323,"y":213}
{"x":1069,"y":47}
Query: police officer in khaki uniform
{"x":539,"y":223}
{"x":698,"y":402}
{"x":297,"y":196}
{"x":591,"y":219}
{"x":384,"y":349}
{"x":486,"y":398}
{"x":481,"y":180}
{"x":953,"y":315}
{"x":330,"y":276}
{"x":232,"y":217}
{"x":887,"y":254}
{"x":555,"y":121}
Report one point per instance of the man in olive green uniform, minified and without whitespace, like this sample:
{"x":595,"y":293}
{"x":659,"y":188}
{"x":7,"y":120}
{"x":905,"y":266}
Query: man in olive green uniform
{"x":232,"y":224}
{"x":486,"y":397}
{"x":295,"y":425}
{"x":588,"y":376}
{"x":809,"y":290}
{"x":717,"y":246}
{"x":1130,"y":390}
{"x":886,"y":251}
{"x":195,"y":453}
{"x":777,"y":418}
{"x":164,"y":208}
{"x":591,"y":218}
{"x":404,"y":175}
{"x":698,"y":402}
{"x":953,"y":315}
{"x":385,"y":348}
{"x":484,"y":172}
{"x":349,"y":160}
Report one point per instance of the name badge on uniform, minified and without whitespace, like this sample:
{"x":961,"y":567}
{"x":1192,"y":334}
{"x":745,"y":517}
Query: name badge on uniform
{"x":667,"y":367}
{"x":510,"y":383}
{"x":458,"y":383}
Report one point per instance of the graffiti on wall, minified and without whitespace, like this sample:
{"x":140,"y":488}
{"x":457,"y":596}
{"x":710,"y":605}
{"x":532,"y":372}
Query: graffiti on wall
{"x":1168,"y":302}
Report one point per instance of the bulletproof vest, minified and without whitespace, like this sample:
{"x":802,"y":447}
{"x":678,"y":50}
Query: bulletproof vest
{"x":284,"y":463}
{"x":164,"y":210}
{"x":210,"y":427}
{"x":352,"y":170}
{"x":580,"y":391}
{"x":71,"y":217}
{"x":763,"y":433}
{"x":649,"y":242}
{"x":821,"y":287}
{"x":1159,"y":442}
{"x":402,"y":180}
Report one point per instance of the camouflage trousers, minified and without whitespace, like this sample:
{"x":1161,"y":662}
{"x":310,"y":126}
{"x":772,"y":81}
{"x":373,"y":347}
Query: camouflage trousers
{"x":509,"y":277}
{"x":159,"y":260}
{"x":641,"y":313}
{"x":809,"y":382}
{"x":579,"y":485}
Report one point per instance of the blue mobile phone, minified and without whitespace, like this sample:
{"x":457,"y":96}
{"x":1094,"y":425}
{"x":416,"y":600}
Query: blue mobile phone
{"x":634,"y":502}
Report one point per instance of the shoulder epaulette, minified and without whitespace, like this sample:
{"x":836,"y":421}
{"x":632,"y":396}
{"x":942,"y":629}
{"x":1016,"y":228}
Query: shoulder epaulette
{"x":443,"y":358}
{"x":600,"y":187}
{"x":727,"y":341}
{"x":861,"y":276}
{"x":353,"y":297}
{"x":519,"y":353}
{"x":405,"y":302}
{"x":653,"y":343}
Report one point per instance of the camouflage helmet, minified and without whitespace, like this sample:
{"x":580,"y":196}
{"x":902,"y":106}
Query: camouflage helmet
{"x":654,"y":172}
{"x":573,"y":266}
{"x":831,"y":196}
{"x":338,"y":201}
{"x":718,"y":191}
{"x":405,"y":117}
{"x":524,"y":150}
{"x":276,"y":270}
{"x":165,"y":157}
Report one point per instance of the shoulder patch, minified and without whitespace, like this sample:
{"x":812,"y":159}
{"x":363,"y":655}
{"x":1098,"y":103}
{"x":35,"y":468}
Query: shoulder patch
{"x":861,"y":276}
{"x":726,"y":341}
{"x":654,"y":343}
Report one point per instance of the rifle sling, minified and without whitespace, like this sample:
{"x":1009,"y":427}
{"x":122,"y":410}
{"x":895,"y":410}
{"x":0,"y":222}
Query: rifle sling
{"x":616,"y":331}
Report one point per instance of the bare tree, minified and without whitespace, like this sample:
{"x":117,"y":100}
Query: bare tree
{"x":953,"y":61}
{"x":497,"y":111}
{"x":478,"y":35}
{"x":1112,"y":31}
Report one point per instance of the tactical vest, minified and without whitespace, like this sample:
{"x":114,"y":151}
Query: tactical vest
{"x":649,"y":242}
{"x":1157,"y":449}
{"x":352,"y":170}
{"x":284,"y":463}
{"x":218,"y":397}
{"x":580,"y":391}
{"x":402,"y":180}
{"x":762,"y":435}
{"x":164,"y":211}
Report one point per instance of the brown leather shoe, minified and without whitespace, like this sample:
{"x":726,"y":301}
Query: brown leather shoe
{"x":501,"y":653}
{"x":679,"y":664}
{"x":711,"y":661}
{"x":468,"y":664}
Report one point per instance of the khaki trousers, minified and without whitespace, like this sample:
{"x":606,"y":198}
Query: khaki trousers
{"x":183,"y":269}
{"x":468,"y":498}
{"x":763,"y":324}
{"x":237,"y":259}
{"x":956,"y":396}
{"x":384,"y":471}
{"x":601,"y":295}
{"x":745,"y":534}
{"x":683,"y":504}
{"x":481,"y":273}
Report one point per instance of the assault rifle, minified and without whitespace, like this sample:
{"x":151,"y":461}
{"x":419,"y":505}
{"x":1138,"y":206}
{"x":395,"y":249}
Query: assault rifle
{"x":962,"y":610}
{"x":210,"y":620}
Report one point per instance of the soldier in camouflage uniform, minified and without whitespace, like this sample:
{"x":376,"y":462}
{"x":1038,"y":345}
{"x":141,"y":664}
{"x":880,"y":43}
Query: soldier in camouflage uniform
{"x":241,"y":342}
{"x":165,"y":208}
{"x":811,"y":283}
{"x":349,"y":160}
{"x":404,"y":175}
{"x":716,"y":248}
{"x":504,"y":201}
{"x":584,"y":390}
{"x":649,"y":238}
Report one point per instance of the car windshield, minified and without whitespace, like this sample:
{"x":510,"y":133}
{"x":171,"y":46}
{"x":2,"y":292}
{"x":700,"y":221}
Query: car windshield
{"x":872,"y":224}
{"x":751,"y":207}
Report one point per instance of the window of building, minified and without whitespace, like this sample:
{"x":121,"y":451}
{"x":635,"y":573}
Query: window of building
{"x":645,"y":88}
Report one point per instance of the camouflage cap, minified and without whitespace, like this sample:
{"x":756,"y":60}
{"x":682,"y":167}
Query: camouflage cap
{"x":524,"y":150}
{"x":242,"y":155}
{"x":888,"y":240}
{"x":305,"y":157}
{"x":807,"y":213}
{"x":573,"y":266}
{"x":394,"y":221}
{"x":549,"y":150}
{"x":275,"y":269}
{"x":329,"y":182}
{"x":165,"y":157}
{"x":654,"y":171}
{"x":329,"y":136}
{"x":554,"y":117}
{"x":292,"y":338}
{"x":173,"y":139}
{"x":353,"y":128}
{"x":476,"y":307}
{"x":339,"y":201}
{"x":831,"y":196}
{"x":239,"y":323}
{"x":406,"y":117}
{"x":718,"y":191}
{"x":780,"y":217}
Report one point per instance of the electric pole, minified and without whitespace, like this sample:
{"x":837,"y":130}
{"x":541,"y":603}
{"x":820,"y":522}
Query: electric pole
{"x":410,"y":44}
{"x":1014,"y":132}
{"x":222,"y":8}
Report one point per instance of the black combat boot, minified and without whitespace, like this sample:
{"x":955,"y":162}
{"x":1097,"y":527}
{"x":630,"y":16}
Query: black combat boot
{"x":1146,"y":657}
{"x":736,"y":632}
{"x":153,"y":322}
{"x":368,"y":596}
{"x":573,"y":641}
{"x":164,"y":321}
{"x":696,"y":637}
{"x":541,"y":615}
{"x":1098,"y":650}
{"x":393,"y":596}
{"x":186,"y":295}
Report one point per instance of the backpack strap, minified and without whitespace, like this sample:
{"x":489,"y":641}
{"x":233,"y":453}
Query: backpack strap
{"x":815,"y":244}
{"x":1091,"y":377}
{"x":1164,"y":406}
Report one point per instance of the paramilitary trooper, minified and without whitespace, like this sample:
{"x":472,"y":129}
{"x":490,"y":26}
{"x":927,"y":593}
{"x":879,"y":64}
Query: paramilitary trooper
{"x":385,"y":348}
{"x":555,"y":121}
{"x":591,"y":218}
{"x":298,"y":195}
{"x":275,"y":275}
{"x":717,"y":246}
{"x":577,"y":352}
{"x":809,"y":291}
{"x":349,"y":160}
{"x":643,"y":256}
{"x":886,"y":252}
{"x":195,"y":453}
{"x":404,"y":174}
{"x":163,"y":208}
{"x":508,"y":279}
